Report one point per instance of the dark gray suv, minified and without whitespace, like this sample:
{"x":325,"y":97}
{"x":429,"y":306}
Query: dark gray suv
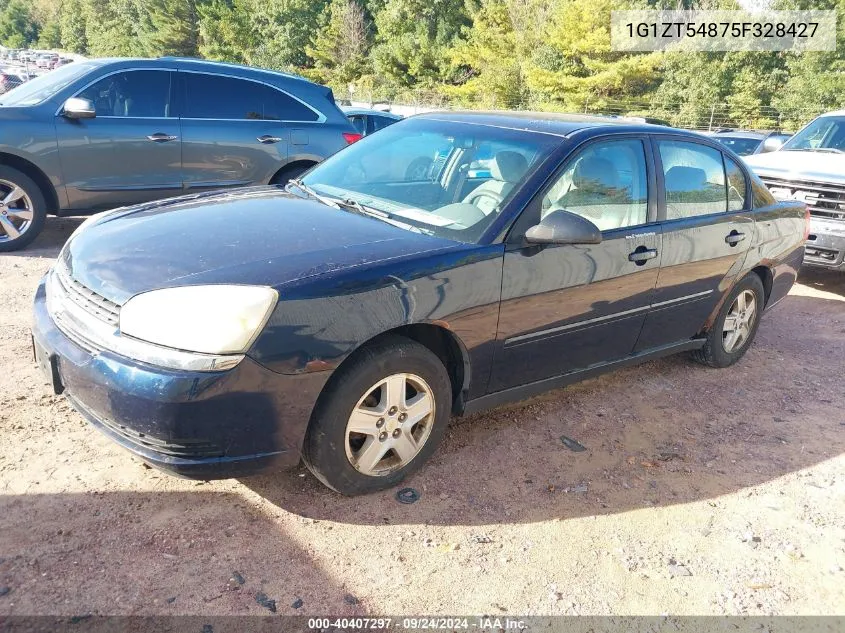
{"x":111,"y":132}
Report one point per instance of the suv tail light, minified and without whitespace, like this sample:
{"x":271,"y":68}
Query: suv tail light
{"x":351,"y":137}
{"x":806,"y":222}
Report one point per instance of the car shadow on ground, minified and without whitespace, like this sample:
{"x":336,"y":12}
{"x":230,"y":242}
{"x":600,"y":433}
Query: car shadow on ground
{"x":823,"y":279}
{"x":664,"y":433}
{"x":48,"y":244}
{"x":157,"y":545}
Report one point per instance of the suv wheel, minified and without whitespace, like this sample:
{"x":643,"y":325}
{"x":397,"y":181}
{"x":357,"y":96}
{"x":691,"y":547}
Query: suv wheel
{"x":380,"y":419}
{"x":22,"y":209}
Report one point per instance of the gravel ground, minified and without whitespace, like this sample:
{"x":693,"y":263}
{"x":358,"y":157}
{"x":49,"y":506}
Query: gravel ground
{"x":700,"y":492}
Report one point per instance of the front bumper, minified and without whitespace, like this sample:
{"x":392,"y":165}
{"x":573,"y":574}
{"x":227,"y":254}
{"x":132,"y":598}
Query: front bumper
{"x":826,"y":245}
{"x":208,"y":425}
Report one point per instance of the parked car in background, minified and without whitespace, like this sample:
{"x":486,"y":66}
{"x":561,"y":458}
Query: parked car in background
{"x":46,"y":60}
{"x":746,"y":143}
{"x":103,"y":133}
{"x":810,"y":168}
{"x":9,"y":79}
{"x":366,"y":121}
{"x":345,"y":318}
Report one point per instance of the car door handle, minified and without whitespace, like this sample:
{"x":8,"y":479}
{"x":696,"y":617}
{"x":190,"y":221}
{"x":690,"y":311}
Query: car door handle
{"x":734,"y":237}
{"x":161,"y":138}
{"x":267,"y":139}
{"x":642,"y":255}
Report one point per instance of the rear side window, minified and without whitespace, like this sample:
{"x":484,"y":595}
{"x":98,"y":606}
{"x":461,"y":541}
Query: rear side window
{"x":217,"y":97}
{"x":379,"y":122}
{"x":760,"y":195}
{"x":736,"y":185}
{"x":131,"y":94}
{"x":694,"y":179}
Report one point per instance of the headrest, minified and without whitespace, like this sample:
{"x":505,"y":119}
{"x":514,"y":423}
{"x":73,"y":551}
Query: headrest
{"x":508,"y":166}
{"x":680,"y":178}
{"x":595,"y":174}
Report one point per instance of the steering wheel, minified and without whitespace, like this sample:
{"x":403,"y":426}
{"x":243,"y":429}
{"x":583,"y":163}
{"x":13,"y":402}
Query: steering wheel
{"x":419,"y":169}
{"x":495,"y":196}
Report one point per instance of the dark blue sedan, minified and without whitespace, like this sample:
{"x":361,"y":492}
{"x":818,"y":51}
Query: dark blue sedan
{"x":344,"y":319}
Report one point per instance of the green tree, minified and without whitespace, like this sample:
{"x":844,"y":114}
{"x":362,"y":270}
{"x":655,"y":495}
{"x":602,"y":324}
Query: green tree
{"x":18,"y":28}
{"x":172,"y":28}
{"x":415,"y":38}
{"x":73,"y":26}
{"x":340,"y":47}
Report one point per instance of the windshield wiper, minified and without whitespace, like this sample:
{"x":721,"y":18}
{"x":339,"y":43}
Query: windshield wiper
{"x":331,"y":202}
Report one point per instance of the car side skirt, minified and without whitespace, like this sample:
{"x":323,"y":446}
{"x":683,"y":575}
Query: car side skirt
{"x":536,"y":388}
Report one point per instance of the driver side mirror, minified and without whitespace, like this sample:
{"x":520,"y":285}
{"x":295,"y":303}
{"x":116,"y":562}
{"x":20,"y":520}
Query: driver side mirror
{"x":78,"y":108}
{"x":563,"y":227}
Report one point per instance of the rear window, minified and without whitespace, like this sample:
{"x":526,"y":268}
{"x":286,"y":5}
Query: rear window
{"x":230,"y":98}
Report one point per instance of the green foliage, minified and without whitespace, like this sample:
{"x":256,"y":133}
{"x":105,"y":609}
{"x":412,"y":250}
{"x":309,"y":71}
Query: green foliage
{"x":540,"y":54}
{"x":339,"y":49}
{"x":17,"y":24}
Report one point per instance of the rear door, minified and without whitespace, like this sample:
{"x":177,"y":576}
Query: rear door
{"x":707,"y":225}
{"x":566,"y":307}
{"x":130,"y":151}
{"x":235,"y":131}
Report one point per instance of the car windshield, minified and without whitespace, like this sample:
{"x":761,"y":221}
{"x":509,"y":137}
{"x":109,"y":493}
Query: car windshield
{"x":741,"y":145}
{"x":442,"y":178}
{"x":42,"y":88}
{"x":827,"y":133}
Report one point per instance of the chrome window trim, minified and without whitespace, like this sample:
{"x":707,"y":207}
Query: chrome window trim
{"x":321,"y":118}
{"x":94,"y":336}
{"x":115,"y":72}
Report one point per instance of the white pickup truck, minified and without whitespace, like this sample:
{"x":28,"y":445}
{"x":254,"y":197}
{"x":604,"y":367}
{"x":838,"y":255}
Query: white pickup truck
{"x":810,"y":167}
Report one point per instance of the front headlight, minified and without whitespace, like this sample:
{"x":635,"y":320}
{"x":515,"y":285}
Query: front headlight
{"x":207,"y":319}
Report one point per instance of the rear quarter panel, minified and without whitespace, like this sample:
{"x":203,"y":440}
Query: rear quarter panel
{"x":778,"y":245}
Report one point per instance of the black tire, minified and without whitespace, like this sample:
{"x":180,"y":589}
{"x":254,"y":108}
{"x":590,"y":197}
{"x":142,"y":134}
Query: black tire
{"x":714,"y":353}
{"x":39,"y":209}
{"x":289,"y":173}
{"x":324,"y":451}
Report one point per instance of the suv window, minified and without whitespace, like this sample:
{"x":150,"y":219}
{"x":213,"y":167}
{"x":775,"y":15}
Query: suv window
{"x":606,"y":183}
{"x":131,"y":94}
{"x":218,"y":97}
{"x":736,"y":185}
{"x":694,"y":178}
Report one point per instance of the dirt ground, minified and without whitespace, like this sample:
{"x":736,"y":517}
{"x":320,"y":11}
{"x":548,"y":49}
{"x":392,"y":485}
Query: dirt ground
{"x":701,"y":492}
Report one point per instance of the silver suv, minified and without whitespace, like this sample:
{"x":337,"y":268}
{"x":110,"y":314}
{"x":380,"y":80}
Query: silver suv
{"x":104,"y":133}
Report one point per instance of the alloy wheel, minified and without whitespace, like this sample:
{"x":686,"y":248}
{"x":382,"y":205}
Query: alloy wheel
{"x":390,"y":424}
{"x":739,"y":321}
{"x":16,"y":211}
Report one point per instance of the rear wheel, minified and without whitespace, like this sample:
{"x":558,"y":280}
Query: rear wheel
{"x":735,"y":325}
{"x":380,"y":419}
{"x":289,"y":173}
{"x":22,"y":209}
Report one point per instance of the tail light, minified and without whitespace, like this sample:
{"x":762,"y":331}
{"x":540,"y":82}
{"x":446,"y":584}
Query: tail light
{"x":351,"y":137}
{"x":806,"y":222}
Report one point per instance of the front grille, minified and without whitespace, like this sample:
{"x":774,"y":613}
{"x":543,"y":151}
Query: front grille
{"x":825,"y":200}
{"x":191,"y":449}
{"x":93,"y":303}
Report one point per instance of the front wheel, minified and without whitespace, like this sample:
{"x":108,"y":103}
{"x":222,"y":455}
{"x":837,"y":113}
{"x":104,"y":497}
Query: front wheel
{"x":735,"y":325}
{"x":22,"y":209}
{"x":380,"y":418}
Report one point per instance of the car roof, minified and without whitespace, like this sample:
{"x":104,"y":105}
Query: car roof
{"x":369,"y":111}
{"x":741,"y":134}
{"x":546,"y":122}
{"x":203,"y":64}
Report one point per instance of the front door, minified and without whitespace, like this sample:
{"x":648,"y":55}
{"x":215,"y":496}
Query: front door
{"x":566,"y":307}
{"x":130,"y":151}
{"x":707,"y":227}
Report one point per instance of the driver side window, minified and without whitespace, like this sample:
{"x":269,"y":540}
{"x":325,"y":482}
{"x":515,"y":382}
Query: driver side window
{"x":606,"y":183}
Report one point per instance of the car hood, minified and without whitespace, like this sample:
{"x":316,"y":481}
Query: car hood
{"x":799,"y":165}
{"x":260,"y":236}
